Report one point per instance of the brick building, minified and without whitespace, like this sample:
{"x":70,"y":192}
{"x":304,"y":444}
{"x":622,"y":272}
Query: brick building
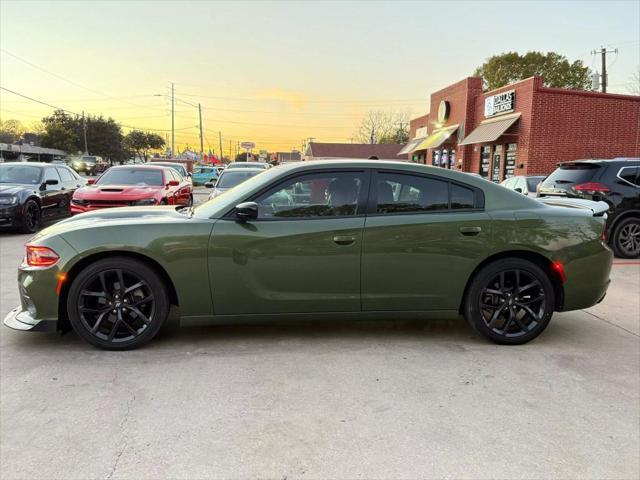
{"x":522,"y":129}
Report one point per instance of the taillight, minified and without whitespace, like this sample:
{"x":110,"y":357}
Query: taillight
{"x":591,"y":188}
{"x":41,"y":256}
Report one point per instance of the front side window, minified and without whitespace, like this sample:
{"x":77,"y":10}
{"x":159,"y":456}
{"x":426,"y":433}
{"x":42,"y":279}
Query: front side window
{"x":65,"y":175}
{"x":400,"y":193}
{"x":327,"y":194}
{"x":51,"y":174}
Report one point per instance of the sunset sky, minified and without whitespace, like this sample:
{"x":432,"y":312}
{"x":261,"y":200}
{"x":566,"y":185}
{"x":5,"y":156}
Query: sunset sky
{"x":279,"y":72}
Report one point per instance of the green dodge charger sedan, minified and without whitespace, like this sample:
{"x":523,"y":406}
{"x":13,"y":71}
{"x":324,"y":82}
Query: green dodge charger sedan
{"x":319,"y":240}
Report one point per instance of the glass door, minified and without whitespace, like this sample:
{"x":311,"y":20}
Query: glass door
{"x":510,"y":161}
{"x":485,"y":160}
{"x":497,"y":160}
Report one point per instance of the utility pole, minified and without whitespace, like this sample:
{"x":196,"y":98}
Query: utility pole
{"x":230,"y":151}
{"x":201,"y":137}
{"x":603,"y":76}
{"x":84,"y":130}
{"x":220,"y":141}
{"x":173,"y":121}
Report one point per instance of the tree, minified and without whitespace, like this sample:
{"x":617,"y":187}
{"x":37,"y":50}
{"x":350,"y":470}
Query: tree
{"x":634,"y":83}
{"x":11,"y":131}
{"x":379,"y":126}
{"x":500,"y":70}
{"x":62,"y":137}
{"x":141,"y":142}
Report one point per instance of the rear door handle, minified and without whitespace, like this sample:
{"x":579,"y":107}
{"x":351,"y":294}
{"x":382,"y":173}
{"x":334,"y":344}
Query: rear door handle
{"x":344,"y":239}
{"x":470,"y":231}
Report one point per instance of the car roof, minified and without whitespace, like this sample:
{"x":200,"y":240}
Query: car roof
{"x":243,"y":170}
{"x":141,"y":167}
{"x":31,"y":164}
{"x":601,"y":161}
{"x":167,"y":164}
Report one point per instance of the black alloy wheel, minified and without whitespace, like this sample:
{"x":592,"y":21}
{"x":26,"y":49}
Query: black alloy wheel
{"x":510,"y":301}
{"x":626,"y":238}
{"x":31,"y":218}
{"x":117,"y":303}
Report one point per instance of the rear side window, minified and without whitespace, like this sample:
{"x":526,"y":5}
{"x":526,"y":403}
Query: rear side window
{"x":461,"y":197}
{"x":397,"y":193}
{"x":572,"y":173}
{"x":630,"y":175}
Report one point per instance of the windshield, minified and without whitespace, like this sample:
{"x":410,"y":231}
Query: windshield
{"x":131,"y":176}
{"x":89,"y":159}
{"x":178,"y":168}
{"x":204,"y":170}
{"x":571,"y":173}
{"x":231,"y":179}
{"x":22,"y":174}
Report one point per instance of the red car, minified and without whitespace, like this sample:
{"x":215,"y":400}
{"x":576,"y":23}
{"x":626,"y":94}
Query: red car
{"x":124,"y":186}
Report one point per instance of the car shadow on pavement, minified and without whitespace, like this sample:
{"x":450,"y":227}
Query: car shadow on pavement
{"x":303,"y":335}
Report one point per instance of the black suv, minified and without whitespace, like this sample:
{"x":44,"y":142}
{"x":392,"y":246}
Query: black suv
{"x":616,"y":182}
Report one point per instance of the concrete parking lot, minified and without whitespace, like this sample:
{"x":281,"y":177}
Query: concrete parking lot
{"x":327,"y":400}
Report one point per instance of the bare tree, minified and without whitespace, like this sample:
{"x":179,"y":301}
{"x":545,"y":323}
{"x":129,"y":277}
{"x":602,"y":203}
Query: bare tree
{"x":634,"y":84}
{"x":379,"y":126}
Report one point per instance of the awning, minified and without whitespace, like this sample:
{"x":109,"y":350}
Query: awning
{"x":437,"y":138}
{"x":410,"y":147}
{"x":491,"y":130}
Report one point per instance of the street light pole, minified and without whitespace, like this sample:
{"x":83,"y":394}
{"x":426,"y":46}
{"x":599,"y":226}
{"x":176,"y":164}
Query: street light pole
{"x":173,"y":121}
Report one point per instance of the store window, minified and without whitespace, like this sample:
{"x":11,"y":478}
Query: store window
{"x":485,"y":160}
{"x":435,"y":158}
{"x":497,"y":160}
{"x":510,"y":160}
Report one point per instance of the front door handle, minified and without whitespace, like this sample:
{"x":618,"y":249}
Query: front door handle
{"x":344,"y":239}
{"x":470,"y":231}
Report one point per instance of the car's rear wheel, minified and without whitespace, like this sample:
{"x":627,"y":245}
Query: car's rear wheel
{"x":510,"y":301}
{"x":626,"y":238}
{"x":31,"y":218}
{"x":117,"y":303}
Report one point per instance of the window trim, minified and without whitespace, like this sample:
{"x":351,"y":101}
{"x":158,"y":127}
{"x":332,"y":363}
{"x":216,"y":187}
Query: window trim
{"x":372,"y":203}
{"x":361,"y":204}
{"x":637,"y":169}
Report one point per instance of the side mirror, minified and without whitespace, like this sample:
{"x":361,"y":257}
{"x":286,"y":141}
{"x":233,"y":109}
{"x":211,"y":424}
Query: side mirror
{"x":52,"y":181}
{"x":519,"y":190}
{"x":209,"y":185}
{"x":91,"y":181}
{"x":246,"y":211}
{"x":173,"y":183}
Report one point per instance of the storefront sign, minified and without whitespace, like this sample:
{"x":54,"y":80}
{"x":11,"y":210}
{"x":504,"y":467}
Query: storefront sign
{"x":501,"y":103}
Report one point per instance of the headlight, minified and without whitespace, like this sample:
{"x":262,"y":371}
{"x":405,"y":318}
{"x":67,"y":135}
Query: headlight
{"x":8,"y":200}
{"x":144,"y":201}
{"x":79,"y":201}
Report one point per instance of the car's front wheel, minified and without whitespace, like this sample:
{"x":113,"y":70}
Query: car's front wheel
{"x":626,"y":238}
{"x":31,"y":217}
{"x":117,"y":303}
{"x":510,"y":301}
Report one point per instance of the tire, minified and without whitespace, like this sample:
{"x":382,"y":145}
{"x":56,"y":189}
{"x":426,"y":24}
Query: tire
{"x":117,"y":303}
{"x":499,"y":308}
{"x":625,"y":240}
{"x":31,"y":218}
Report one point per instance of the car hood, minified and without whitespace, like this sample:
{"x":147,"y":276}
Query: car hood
{"x":115,"y":217}
{"x":117,"y":192}
{"x":13,"y":188}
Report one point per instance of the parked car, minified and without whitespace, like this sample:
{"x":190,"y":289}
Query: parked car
{"x":34,"y":192}
{"x":101,"y":166}
{"x":87,"y":164}
{"x":262,"y":165}
{"x":526,"y":185}
{"x":205,"y":174}
{"x":125,"y":185}
{"x":616,"y":182}
{"x":363,"y":239}
{"x":179,"y":167}
{"x":230,"y":178}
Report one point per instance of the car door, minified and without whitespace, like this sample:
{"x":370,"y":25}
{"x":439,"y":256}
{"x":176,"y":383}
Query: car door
{"x":68,"y":187}
{"x":301,"y":254}
{"x":423,"y":237}
{"x":52,"y":196}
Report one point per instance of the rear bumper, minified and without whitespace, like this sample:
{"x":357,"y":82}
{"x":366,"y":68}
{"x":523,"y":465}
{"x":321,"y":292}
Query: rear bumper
{"x":587,"y":280}
{"x":19,"y":319}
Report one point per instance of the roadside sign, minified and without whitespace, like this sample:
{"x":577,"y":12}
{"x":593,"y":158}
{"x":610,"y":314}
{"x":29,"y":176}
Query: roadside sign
{"x":248,"y":145}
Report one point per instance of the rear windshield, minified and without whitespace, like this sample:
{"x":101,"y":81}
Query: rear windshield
{"x":230,"y":179}
{"x":131,"y":176}
{"x":574,"y":173}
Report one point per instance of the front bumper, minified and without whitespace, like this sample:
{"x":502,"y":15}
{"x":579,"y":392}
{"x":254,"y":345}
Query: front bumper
{"x":10,"y":215}
{"x":19,"y":319}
